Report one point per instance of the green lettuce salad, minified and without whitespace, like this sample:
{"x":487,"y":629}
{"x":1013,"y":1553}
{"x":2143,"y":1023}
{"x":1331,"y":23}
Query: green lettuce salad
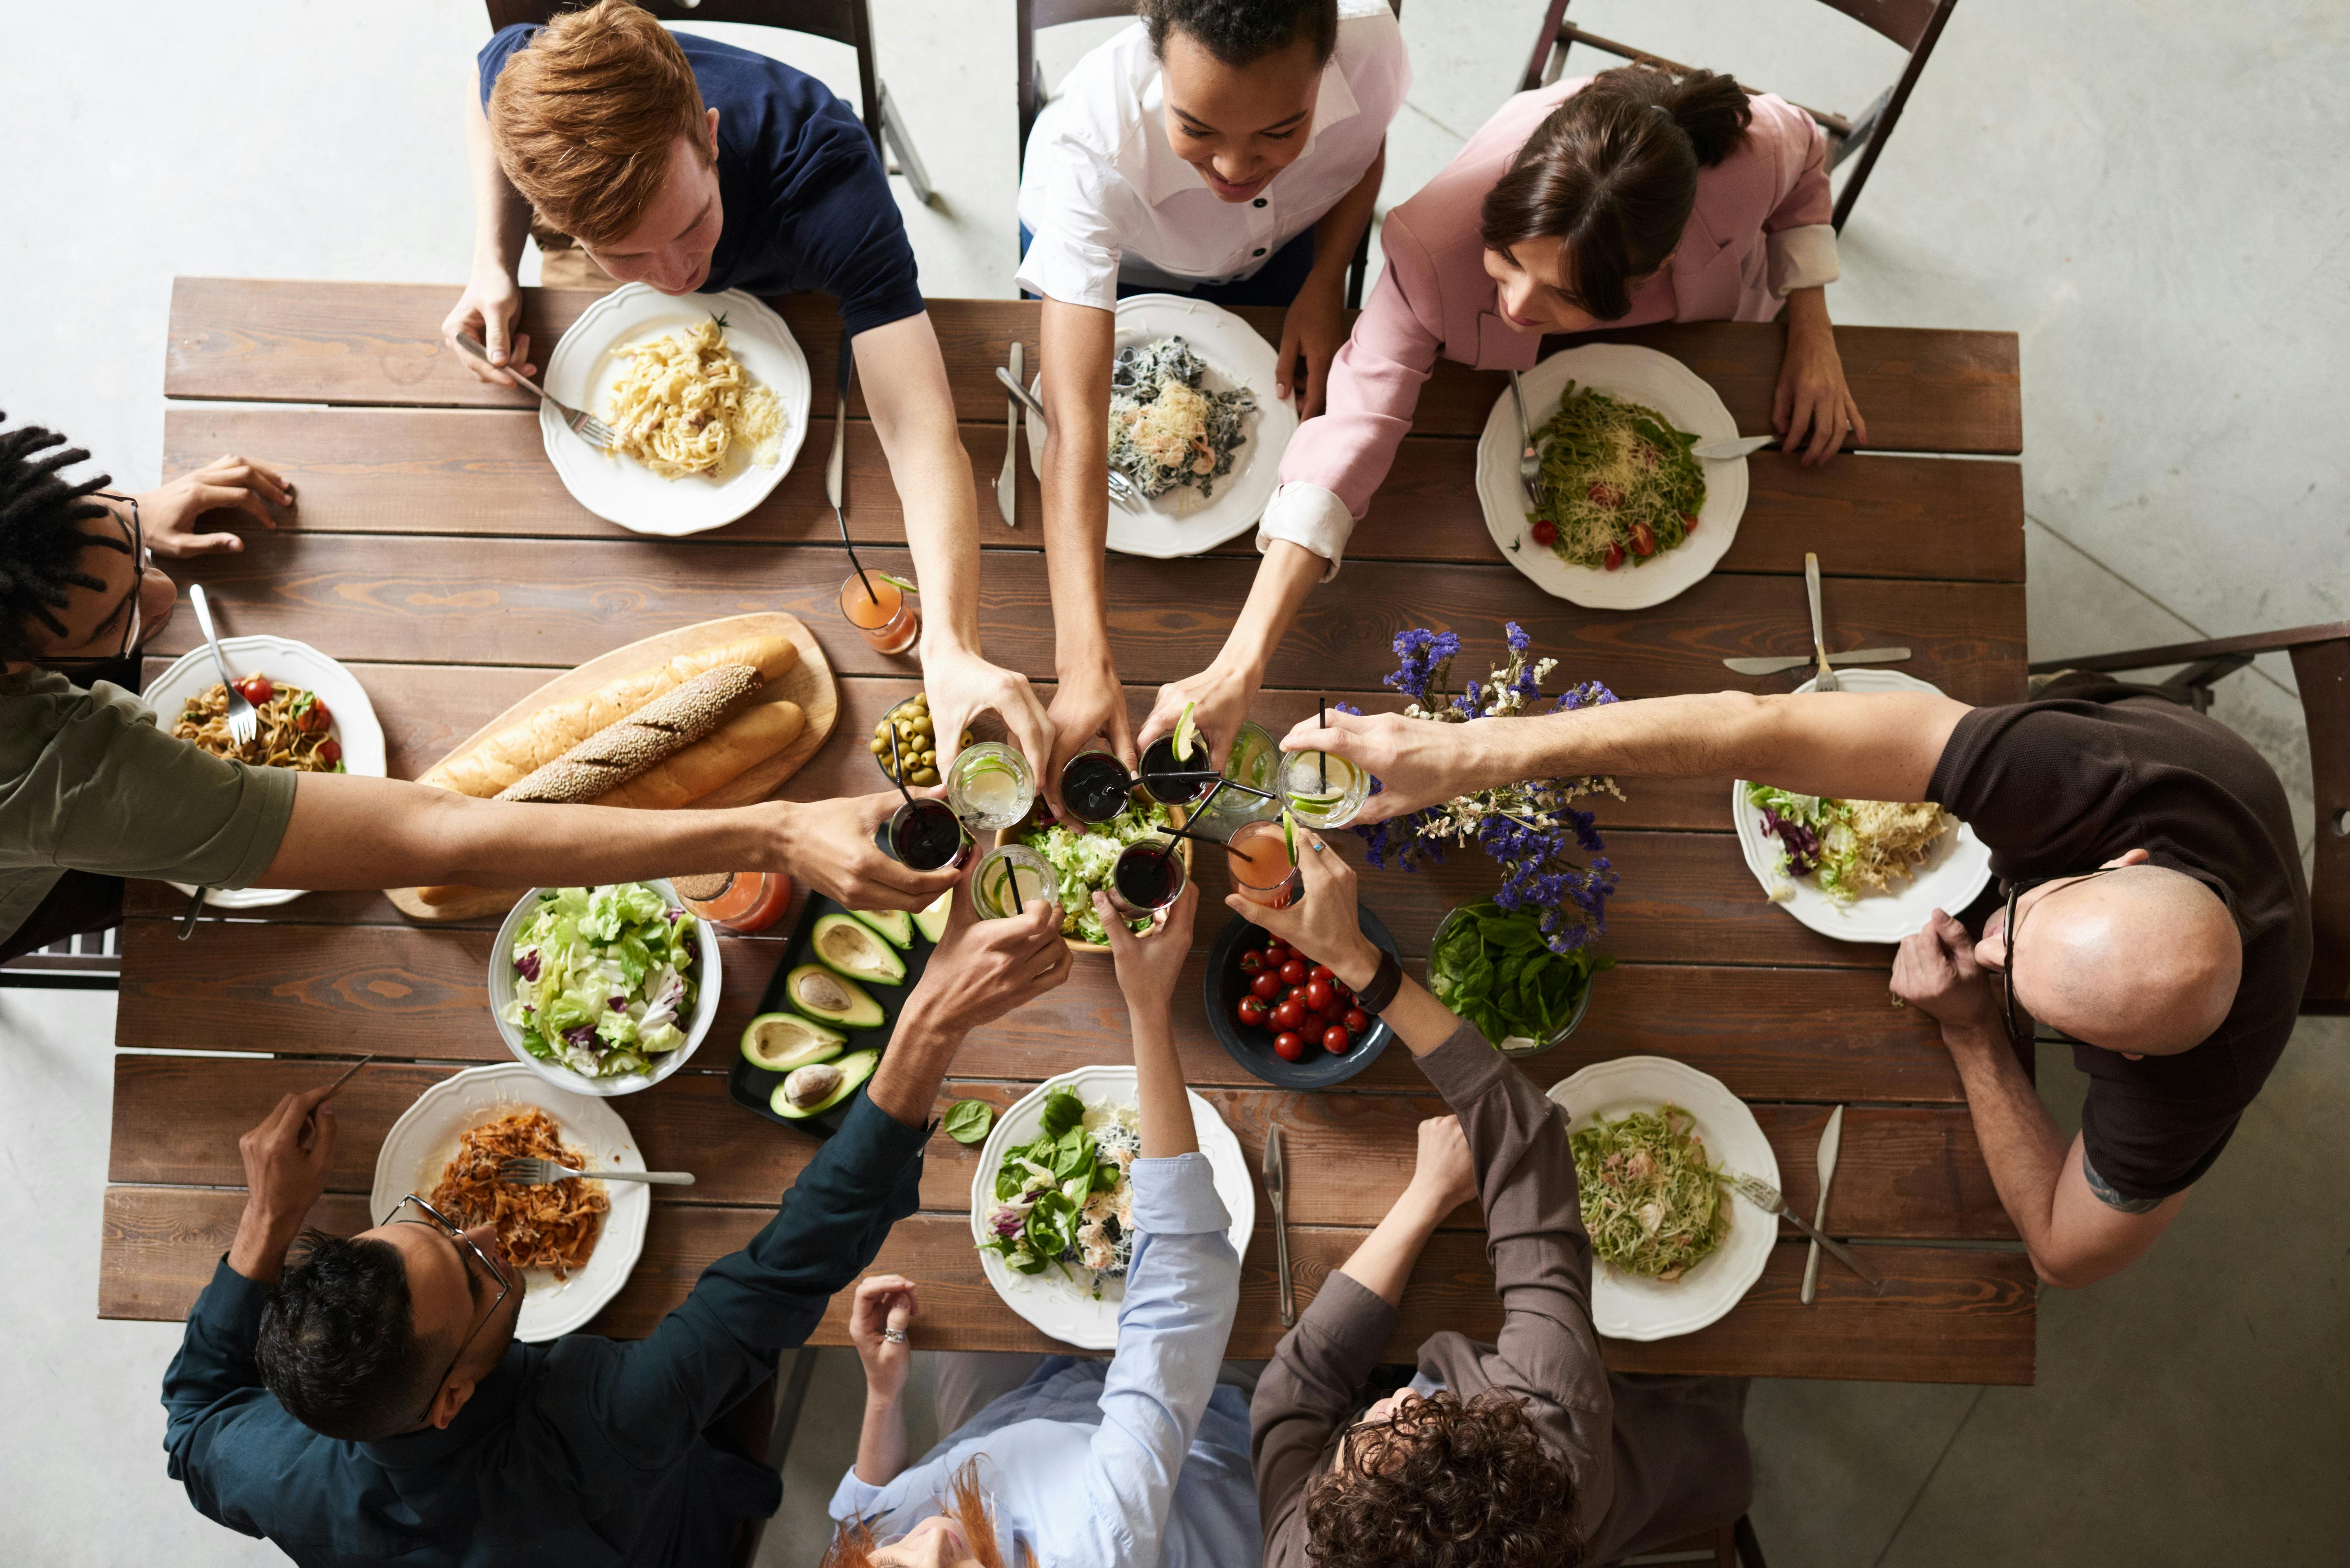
{"x":1492,"y":966}
{"x":1084,"y":855}
{"x":1063,"y":1199}
{"x":603,"y":978}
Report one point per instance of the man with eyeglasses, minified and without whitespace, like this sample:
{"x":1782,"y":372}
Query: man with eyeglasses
{"x":368,"y":1402}
{"x":92,"y":790}
{"x":2155,"y":916}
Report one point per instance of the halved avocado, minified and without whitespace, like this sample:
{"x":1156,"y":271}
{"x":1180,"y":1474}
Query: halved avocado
{"x":932,"y":922}
{"x":824,"y":996}
{"x":847,"y":946}
{"x":823,"y":1085}
{"x":895,"y":925}
{"x":779,"y":1041}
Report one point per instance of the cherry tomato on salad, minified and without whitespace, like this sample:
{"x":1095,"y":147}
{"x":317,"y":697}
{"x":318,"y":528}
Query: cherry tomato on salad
{"x":1288,"y":1015}
{"x":1644,"y":539}
{"x":1265,"y":986}
{"x":310,"y":716}
{"x":1252,"y":1012}
{"x":1615,"y":557}
{"x":331,"y":753}
{"x":1336,"y":1040}
{"x":1294,"y":972}
{"x":1606,"y":496}
{"x":1545,"y":532}
{"x":1318,"y":995}
{"x":1689,"y":521}
{"x":1252,"y":962}
{"x":1357,"y":1020}
{"x":256,"y":689}
{"x":1289,"y":1045}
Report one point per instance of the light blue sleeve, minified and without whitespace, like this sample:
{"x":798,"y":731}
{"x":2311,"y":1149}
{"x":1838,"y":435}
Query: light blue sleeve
{"x":1182,"y":1289}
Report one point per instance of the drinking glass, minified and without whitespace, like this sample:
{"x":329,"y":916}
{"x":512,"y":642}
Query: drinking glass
{"x":991,"y":786}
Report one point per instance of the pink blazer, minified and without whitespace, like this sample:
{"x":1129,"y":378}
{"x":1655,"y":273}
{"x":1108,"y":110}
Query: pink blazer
{"x":1433,"y":296}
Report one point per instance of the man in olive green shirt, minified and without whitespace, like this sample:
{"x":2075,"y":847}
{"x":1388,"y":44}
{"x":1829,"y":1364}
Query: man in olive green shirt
{"x":92,"y":791}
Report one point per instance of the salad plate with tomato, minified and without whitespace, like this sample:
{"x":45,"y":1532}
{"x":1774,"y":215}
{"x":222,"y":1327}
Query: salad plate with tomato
{"x":339,"y":709}
{"x":1284,"y":1015}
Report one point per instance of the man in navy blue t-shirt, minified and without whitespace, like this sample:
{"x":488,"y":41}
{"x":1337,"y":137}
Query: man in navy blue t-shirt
{"x":693,"y":166}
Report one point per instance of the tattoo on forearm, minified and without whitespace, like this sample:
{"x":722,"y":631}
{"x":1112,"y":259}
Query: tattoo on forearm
{"x":2111,"y":1198}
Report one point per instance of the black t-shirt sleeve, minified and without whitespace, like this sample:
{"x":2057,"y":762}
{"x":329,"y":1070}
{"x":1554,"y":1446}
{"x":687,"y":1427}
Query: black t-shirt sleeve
{"x":2042,"y":786}
{"x":846,"y":223}
{"x":2150,"y":1144}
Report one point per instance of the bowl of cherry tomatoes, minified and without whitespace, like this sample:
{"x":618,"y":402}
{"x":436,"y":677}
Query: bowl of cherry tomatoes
{"x":1284,"y":1015}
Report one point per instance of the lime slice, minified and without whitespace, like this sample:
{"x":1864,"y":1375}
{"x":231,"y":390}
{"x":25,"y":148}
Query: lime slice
{"x":1289,"y":835}
{"x":1186,"y":734}
{"x":905,"y":583}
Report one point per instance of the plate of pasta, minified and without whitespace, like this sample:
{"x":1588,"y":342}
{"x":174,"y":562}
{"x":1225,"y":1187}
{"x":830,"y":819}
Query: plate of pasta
{"x":708,"y":394}
{"x":314,"y":718}
{"x":1635,"y":517}
{"x":575,"y":1241}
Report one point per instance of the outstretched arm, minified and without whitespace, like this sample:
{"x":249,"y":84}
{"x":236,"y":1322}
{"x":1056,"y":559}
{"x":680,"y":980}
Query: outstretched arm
{"x":492,"y":302}
{"x":1857,"y":745}
{"x":1222,"y":691}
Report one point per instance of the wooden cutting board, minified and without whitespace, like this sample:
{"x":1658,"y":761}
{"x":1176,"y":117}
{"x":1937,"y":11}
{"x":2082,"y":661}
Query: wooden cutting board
{"x":808,"y":683}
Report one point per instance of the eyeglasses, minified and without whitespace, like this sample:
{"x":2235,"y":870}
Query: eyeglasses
{"x":436,"y":1220}
{"x":142,"y":559}
{"x":2017,"y":1033}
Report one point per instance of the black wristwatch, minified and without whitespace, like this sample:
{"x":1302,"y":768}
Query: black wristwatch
{"x":1374,"y":998}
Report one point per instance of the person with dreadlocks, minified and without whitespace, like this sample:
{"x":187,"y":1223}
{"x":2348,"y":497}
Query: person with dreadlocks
{"x":93,"y":791}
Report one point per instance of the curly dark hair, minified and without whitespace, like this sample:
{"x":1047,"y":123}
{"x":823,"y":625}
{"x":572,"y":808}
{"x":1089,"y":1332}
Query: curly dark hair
{"x":1447,"y":1484}
{"x":1243,"y":32}
{"x":338,"y":1345}
{"x":41,"y":535}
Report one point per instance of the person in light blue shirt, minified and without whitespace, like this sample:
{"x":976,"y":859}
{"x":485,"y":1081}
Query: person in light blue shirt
{"x":1140,"y":1461}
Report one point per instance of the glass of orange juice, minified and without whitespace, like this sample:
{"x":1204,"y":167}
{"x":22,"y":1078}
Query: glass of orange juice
{"x":884,"y":612}
{"x":1262,"y":872}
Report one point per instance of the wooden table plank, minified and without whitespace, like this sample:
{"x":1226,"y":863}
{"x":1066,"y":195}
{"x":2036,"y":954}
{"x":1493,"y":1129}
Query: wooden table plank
{"x":255,"y":339}
{"x":557,"y":603}
{"x":1906,"y":1171}
{"x":431,"y":470}
{"x":1946,"y":1315}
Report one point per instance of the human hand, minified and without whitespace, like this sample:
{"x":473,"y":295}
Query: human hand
{"x":1221,"y":695}
{"x":962,"y":685}
{"x":1321,"y":922}
{"x":1444,"y":1174}
{"x":1149,"y":964}
{"x":828,"y":844}
{"x":488,"y":309}
{"x":1313,"y":329}
{"x":287,"y":1158}
{"x":1812,"y":401}
{"x":1088,"y":704}
{"x":884,"y":1305}
{"x":1936,"y":972}
{"x":167,"y":514}
{"x":1418,"y":763}
{"x":982,"y":970}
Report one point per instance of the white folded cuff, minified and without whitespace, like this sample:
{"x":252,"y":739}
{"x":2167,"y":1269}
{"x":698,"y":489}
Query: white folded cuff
{"x":1310,"y":517}
{"x":1801,"y":258}
{"x":1071,"y":273}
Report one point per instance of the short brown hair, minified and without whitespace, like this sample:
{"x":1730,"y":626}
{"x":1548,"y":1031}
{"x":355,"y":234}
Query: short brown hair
{"x":1613,"y":172}
{"x":583,"y":119}
{"x":1447,"y":1484}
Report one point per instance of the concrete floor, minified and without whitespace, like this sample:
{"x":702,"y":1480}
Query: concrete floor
{"x":2151,"y":200}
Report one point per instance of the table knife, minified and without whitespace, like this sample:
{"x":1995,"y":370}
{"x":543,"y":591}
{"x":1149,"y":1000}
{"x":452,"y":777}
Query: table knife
{"x":832,"y":464}
{"x":1829,"y":1140}
{"x":1780,"y":663}
{"x":1275,"y":1178}
{"x":1006,"y":492}
{"x":1729,"y":447}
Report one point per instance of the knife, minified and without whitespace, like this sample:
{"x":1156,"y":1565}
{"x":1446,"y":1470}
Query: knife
{"x":1828,"y":680}
{"x":1005,"y":492}
{"x":1121,"y":489}
{"x":1775,"y":665}
{"x":1274,"y":1179}
{"x":1829,"y":1140}
{"x":1729,"y":447}
{"x":839,"y":432}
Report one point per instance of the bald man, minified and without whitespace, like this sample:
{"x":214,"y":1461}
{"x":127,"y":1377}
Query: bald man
{"x":2154,"y":913}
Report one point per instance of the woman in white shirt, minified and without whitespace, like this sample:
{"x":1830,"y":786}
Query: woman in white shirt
{"x":1232,"y":153}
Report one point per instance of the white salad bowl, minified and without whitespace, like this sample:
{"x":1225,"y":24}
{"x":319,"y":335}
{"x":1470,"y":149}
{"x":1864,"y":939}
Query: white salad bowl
{"x":705,"y":1004}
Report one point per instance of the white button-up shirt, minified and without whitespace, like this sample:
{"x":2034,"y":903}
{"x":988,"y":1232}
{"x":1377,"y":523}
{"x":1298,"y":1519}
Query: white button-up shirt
{"x":1105,"y":195}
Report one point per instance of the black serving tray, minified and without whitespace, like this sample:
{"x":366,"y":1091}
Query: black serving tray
{"x":751,"y":1087}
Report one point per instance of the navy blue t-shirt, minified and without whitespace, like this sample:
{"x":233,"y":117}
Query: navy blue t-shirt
{"x":807,"y":203}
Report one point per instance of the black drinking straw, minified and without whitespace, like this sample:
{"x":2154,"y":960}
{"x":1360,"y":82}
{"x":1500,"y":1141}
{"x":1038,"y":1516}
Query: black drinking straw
{"x":1013,"y":872}
{"x":897,"y":767}
{"x":838,"y":517}
{"x":840,"y":434}
{"x":1321,"y":714}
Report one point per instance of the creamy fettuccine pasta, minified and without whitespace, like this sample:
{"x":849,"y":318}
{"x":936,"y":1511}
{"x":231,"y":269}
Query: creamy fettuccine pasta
{"x":684,"y":401}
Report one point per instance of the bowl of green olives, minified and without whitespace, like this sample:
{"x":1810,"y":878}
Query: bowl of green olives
{"x":917,"y":746}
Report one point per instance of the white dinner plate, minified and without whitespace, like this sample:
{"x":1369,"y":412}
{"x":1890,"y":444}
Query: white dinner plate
{"x":1643,"y":376}
{"x":1056,"y":1305}
{"x":1954,"y":871}
{"x":420,"y":1143}
{"x":586,"y":363}
{"x":1237,"y":355}
{"x":288,"y":663}
{"x":1626,"y":1307}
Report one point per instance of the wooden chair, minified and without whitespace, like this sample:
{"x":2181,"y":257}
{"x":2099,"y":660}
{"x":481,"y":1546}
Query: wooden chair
{"x":92,"y":961}
{"x":847,"y":22}
{"x":1731,"y":1546}
{"x":1915,"y":24}
{"x":2321,"y":664}
{"x":1031,"y":16}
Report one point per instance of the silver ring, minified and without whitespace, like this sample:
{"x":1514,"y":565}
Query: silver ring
{"x":1318,"y":845}
{"x":894,"y":1335}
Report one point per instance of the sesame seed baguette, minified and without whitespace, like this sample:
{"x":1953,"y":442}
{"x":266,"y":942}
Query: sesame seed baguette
{"x":622,"y":752}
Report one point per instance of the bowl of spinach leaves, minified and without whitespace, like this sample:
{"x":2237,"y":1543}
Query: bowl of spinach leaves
{"x":1493,"y":967}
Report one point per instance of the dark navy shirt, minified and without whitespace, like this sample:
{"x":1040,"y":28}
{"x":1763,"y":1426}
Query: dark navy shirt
{"x":583,"y":1452}
{"x":807,"y":203}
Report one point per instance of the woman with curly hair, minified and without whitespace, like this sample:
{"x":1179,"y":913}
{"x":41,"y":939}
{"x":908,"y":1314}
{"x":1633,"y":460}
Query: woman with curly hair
{"x":1522,"y":1453}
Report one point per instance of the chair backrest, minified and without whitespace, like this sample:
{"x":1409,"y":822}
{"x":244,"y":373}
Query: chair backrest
{"x":847,"y":22}
{"x":1031,"y":18}
{"x":1903,"y":21}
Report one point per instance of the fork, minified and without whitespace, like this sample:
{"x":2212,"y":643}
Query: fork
{"x":1121,"y":488}
{"x":1530,"y":478}
{"x":525,"y":1172}
{"x":580,"y":423}
{"x":1768,"y":1198}
{"x":1826,"y":680}
{"x":244,"y":722}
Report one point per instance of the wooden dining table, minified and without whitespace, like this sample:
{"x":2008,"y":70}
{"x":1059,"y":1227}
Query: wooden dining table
{"x":435,"y":553}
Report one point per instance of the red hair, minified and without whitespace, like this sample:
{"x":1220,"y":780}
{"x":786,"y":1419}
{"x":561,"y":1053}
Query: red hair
{"x":853,"y":1545}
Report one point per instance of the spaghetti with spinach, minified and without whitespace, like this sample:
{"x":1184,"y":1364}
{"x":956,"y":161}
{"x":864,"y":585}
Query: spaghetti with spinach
{"x":1651,"y":1200}
{"x":1620,"y":481}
